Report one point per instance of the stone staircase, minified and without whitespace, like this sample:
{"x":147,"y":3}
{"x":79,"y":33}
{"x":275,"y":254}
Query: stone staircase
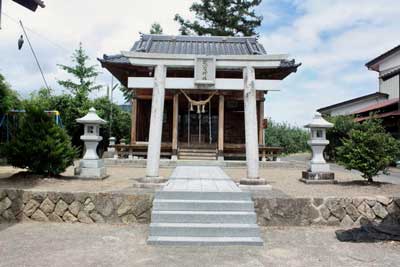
{"x":184,"y":215}
{"x":197,"y":154}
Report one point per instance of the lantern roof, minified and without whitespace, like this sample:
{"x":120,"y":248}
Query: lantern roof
{"x":91,"y":118}
{"x":319,"y":122}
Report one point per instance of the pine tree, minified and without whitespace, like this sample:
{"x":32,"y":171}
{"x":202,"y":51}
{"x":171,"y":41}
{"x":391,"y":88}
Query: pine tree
{"x":222,"y":18}
{"x":156,"y":28}
{"x":86,"y":75}
{"x":40,"y":145}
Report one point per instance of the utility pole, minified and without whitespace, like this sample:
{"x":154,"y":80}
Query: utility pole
{"x":110,"y":91}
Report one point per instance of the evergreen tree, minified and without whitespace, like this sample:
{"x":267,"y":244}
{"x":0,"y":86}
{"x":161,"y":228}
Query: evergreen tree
{"x":40,"y":145}
{"x":84,"y":74}
{"x":222,"y":18}
{"x":156,"y":28}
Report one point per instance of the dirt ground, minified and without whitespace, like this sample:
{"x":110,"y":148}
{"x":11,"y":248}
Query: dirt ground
{"x":59,"y":245}
{"x":284,"y":182}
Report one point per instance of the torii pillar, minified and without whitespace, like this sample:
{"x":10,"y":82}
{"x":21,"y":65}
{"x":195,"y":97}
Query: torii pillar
{"x":250,"y":119}
{"x":156,"y":122}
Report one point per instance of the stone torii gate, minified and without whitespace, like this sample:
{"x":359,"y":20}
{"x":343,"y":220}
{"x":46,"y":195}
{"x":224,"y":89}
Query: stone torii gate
{"x":255,"y":70}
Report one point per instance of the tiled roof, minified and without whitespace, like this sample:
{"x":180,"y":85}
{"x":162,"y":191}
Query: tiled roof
{"x":119,"y":59}
{"x":377,"y":106}
{"x":198,"y":45}
{"x":379,"y":116}
{"x":364,"y":97}
{"x":390,"y":74}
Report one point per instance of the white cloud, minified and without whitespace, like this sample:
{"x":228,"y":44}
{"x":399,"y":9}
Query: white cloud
{"x":333,"y":39}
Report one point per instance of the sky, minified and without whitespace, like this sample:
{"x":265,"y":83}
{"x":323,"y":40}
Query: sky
{"x":333,"y":39}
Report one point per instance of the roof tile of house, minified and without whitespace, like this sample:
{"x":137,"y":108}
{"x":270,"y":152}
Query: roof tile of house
{"x":377,"y":106}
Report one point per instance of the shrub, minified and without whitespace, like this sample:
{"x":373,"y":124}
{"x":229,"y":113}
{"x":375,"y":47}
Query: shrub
{"x":368,"y":149}
{"x":40,"y":145}
{"x":291,"y":138}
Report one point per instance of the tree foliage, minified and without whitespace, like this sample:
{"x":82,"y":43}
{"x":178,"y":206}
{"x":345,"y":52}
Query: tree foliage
{"x":120,"y":123}
{"x":127,"y":93}
{"x":342,"y":125}
{"x":156,"y":28}
{"x":291,"y":138}
{"x":72,"y":108}
{"x":222,"y":18}
{"x":84,"y":75}
{"x":40,"y":145}
{"x":368,"y":149}
{"x":8,"y":101}
{"x":77,"y":105}
{"x":8,"y":98}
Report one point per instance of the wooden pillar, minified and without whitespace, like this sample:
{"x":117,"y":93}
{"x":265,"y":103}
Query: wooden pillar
{"x":250,"y":118}
{"x":133,"y":120}
{"x":156,"y":123}
{"x":175,"y":127}
{"x":221,"y":113}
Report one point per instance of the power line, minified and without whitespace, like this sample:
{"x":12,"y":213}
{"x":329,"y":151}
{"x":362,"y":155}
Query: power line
{"x":34,"y":55}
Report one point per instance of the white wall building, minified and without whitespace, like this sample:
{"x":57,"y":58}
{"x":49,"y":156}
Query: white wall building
{"x":388,"y":67}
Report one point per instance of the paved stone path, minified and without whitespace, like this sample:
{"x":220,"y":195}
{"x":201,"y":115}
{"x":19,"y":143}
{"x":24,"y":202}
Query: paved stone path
{"x":69,"y":245}
{"x":200,"y":179}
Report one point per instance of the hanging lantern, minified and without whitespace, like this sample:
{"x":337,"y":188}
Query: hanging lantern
{"x":20,"y":42}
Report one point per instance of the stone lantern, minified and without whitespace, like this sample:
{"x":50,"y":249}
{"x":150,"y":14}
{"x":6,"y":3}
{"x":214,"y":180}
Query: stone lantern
{"x":319,"y":171}
{"x":91,"y":166}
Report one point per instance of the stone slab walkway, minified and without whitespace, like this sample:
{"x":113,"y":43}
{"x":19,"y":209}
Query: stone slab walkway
{"x":200,"y":179}
{"x":69,"y":245}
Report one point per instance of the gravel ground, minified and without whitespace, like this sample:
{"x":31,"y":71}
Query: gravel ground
{"x":284,"y":181}
{"x":59,"y":245}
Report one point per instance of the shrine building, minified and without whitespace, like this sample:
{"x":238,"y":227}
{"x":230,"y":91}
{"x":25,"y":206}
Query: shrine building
{"x":198,"y":95}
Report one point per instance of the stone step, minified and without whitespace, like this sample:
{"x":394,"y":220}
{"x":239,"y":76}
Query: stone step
{"x":195,"y":195}
{"x":204,"y":230}
{"x":203,"y":217}
{"x":204,"y":241}
{"x":189,"y":153}
{"x":197,"y":157}
{"x":197,"y":150}
{"x":203,"y":205}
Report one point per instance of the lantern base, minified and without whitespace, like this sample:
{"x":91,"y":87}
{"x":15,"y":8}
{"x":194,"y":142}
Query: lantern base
{"x":91,"y":169}
{"x":309,"y":177}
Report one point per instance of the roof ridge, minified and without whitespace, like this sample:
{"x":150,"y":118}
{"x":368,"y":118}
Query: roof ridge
{"x":157,"y":37}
